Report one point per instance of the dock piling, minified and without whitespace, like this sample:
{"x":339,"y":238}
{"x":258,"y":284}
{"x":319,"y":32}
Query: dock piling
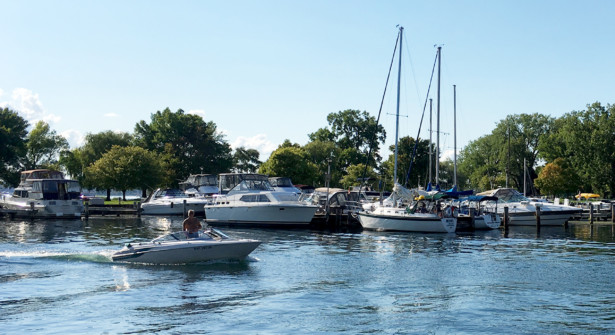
{"x":537,"y":218}
{"x":591,"y":214}
{"x":506,"y":218}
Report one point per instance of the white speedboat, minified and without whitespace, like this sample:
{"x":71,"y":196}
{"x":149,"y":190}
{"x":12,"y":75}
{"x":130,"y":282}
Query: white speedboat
{"x":177,"y":248}
{"x":200,"y":185}
{"x":44,"y":194}
{"x":522,"y":211}
{"x":252,"y":200}
{"x":172,"y":202}
{"x":480,"y":220}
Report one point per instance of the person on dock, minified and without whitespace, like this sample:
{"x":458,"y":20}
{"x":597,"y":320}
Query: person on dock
{"x":192,"y":225}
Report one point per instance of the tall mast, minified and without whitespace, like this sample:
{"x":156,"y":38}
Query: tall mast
{"x":401,"y":33}
{"x":430,"y":141}
{"x":455,"y":133}
{"x":438,"y":123}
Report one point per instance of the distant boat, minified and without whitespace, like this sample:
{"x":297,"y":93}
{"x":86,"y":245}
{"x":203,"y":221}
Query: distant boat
{"x":171,"y":202}
{"x":249,"y":199}
{"x":200,"y":185}
{"x":479,"y":220}
{"x":44,"y":194}
{"x":522,"y":211}
{"x":177,"y":248}
{"x":394,"y":218}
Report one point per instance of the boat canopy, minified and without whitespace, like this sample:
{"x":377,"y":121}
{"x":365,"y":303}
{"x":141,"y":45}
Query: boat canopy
{"x":229,"y":181}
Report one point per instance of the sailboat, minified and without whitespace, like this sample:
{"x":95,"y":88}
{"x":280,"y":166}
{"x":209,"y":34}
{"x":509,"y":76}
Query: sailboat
{"x":417,"y":218}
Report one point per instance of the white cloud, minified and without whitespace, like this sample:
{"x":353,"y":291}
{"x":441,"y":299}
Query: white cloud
{"x":259,"y":142}
{"x":198,"y":112}
{"x":74,"y":137}
{"x":111,"y":115}
{"x":28,"y":104}
{"x":447,"y":154}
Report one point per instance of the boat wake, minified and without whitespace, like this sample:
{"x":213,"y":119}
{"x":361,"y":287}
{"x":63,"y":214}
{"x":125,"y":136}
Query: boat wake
{"x":94,"y":257}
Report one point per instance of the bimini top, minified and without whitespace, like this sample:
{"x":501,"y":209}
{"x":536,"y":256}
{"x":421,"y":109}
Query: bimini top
{"x":41,"y":174}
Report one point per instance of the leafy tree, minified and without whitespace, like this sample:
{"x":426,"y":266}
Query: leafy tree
{"x":324,"y":155}
{"x":291,"y":162}
{"x":354,"y":133}
{"x":186,"y":143}
{"x":125,"y":168}
{"x":420,"y":166}
{"x":43,"y":147}
{"x":96,"y":145}
{"x":447,"y":176}
{"x":585,"y":140}
{"x":481,"y":162}
{"x":558,"y":178}
{"x":246,"y":160}
{"x":355,"y":175}
{"x":13,"y":136}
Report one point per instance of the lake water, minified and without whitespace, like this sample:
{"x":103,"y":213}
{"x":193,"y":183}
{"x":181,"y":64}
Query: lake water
{"x":56,"y":277}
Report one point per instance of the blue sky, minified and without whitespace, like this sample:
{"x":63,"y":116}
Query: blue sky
{"x":265,"y":71}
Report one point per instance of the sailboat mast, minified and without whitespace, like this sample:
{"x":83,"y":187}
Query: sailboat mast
{"x":430,"y":140}
{"x":401,"y":33}
{"x":438,"y":123}
{"x":455,"y":133}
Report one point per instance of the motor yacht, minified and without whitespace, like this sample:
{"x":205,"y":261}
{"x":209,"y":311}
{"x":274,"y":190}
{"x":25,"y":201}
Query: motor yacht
{"x":178,"y":248}
{"x":250,"y":199}
{"x":44,"y":193}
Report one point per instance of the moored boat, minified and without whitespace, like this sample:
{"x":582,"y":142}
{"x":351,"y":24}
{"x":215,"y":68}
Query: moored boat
{"x":44,"y":193}
{"x":250,"y":199}
{"x":172,"y":202}
{"x":522,"y":211}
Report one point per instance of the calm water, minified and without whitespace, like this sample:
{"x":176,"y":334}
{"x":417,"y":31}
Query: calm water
{"x":57,"y":277}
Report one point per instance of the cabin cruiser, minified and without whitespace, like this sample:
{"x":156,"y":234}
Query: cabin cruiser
{"x":250,"y":199}
{"x":200,"y":185}
{"x":171,"y":202}
{"x":178,"y":248}
{"x":44,"y":194}
{"x":522,"y":211}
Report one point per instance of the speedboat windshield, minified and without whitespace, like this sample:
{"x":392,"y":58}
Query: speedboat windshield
{"x":510,"y":195}
{"x":252,"y":185}
{"x":170,"y":193}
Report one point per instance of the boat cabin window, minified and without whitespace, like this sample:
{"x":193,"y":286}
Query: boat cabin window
{"x":254,"y":198}
{"x":20,"y":194}
{"x":280,"y":182}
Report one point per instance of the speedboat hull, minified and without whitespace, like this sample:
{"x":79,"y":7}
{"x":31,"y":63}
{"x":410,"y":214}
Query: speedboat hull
{"x":487,"y":221}
{"x":418,"y":222}
{"x":183,"y":252}
{"x":547,"y":218}
{"x":261,"y":214}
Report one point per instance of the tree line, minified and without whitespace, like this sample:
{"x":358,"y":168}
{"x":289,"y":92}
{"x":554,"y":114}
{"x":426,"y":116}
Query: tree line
{"x":562,"y":155}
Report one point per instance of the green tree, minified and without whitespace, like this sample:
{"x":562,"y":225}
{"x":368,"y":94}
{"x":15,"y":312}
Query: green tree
{"x":246,"y":160}
{"x":585,"y":140}
{"x":356,"y":175}
{"x":43,"y":147}
{"x":13,"y":136}
{"x":126,"y":168}
{"x":186,"y":143}
{"x":481,"y":162}
{"x":558,"y":178}
{"x":354,"y":133}
{"x":324,"y":155}
{"x":420,"y":166}
{"x":291,"y":162}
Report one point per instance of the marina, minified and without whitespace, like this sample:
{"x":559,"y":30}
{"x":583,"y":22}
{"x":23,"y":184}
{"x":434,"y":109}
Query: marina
{"x":57,"y":276}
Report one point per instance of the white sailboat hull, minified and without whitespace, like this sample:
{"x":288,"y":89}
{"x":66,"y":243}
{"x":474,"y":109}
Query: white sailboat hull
{"x":424,"y":223}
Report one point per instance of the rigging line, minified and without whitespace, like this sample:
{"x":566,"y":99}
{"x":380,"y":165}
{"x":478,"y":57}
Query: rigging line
{"x":433,"y":70}
{"x":416,"y":85}
{"x":369,"y":152}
